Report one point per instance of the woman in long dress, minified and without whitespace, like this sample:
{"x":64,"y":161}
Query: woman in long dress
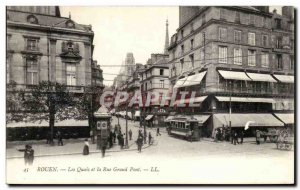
{"x":86,"y":149}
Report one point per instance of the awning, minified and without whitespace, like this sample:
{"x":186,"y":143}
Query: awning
{"x":137,"y":113}
{"x":194,"y":79}
{"x":287,"y":118}
{"x":180,"y":82}
{"x":169,"y":118}
{"x":189,"y":100}
{"x":44,"y":123}
{"x":234,"y":75}
{"x":201,"y":118}
{"x":129,"y":114}
{"x":261,"y":77}
{"x":285,"y":78}
{"x":240,"y":120}
{"x":149,"y":117}
{"x":244,"y":99}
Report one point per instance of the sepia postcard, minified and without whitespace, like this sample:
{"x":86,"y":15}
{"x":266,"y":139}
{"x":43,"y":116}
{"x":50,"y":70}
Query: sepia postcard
{"x":150,"y":95}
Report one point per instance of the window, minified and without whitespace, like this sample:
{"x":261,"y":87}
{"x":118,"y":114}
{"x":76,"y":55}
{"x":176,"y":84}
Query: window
{"x":251,"y":38}
{"x":222,"y":14}
{"x":181,"y":64}
{"x":251,"y":58}
{"x":237,"y":56}
{"x":161,"y":71}
{"x":32,"y":44}
{"x":203,"y":38}
{"x":71,"y":74}
{"x":279,"y":61}
{"x":222,"y":54}
{"x":251,"y":19}
{"x":292,"y":63}
{"x":222,"y":33}
{"x":192,"y":60}
{"x":192,"y":43}
{"x":203,"y":19}
{"x":237,"y":36}
{"x":264,"y":40}
{"x":279,"y":42}
{"x":31,"y":72}
{"x":182,"y":49}
{"x":182,"y":32}
{"x":192,"y":27}
{"x":161,"y":84}
{"x":264,"y":59}
{"x":237,"y":17}
{"x":278,"y":23}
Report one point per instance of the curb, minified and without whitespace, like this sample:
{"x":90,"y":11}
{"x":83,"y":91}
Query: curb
{"x":75,"y":153}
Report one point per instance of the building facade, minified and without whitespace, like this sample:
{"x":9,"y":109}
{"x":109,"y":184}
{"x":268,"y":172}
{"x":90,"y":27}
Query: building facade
{"x":235,"y":58}
{"x":43,"y":46}
{"x":155,"y":79}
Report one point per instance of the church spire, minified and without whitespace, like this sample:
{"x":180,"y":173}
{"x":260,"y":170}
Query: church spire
{"x":167,"y":38}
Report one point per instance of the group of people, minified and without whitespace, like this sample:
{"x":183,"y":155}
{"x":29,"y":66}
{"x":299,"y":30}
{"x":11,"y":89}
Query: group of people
{"x":222,"y":134}
{"x":58,"y":136}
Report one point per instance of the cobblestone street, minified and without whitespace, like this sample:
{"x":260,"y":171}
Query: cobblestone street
{"x":246,"y":163}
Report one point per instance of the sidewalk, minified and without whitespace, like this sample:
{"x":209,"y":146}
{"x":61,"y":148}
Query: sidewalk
{"x":71,"y":147}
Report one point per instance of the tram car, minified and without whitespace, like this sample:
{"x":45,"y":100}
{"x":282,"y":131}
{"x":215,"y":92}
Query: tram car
{"x":186,"y":127}
{"x":102,"y":119}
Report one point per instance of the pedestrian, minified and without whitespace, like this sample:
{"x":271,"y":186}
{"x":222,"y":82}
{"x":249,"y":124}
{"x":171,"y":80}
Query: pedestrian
{"x":121,"y":141}
{"x":103,"y":146}
{"x":235,"y":138}
{"x":92,"y":136}
{"x":257,"y":137}
{"x":115,"y":136}
{"x":130,"y":134}
{"x":48,"y":137}
{"x":242,"y":137}
{"x":139,"y":143}
{"x":216,"y":135}
{"x":191,"y":135}
{"x":59,"y":138}
{"x":231,"y":135}
{"x":110,"y":139}
{"x":157,"y":132}
{"x":86,"y":147}
{"x":119,"y":138}
{"x":150,"y":138}
{"x":28,"y":154}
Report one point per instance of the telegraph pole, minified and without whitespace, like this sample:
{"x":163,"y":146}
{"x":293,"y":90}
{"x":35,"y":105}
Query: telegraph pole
{"x":126,"y":141}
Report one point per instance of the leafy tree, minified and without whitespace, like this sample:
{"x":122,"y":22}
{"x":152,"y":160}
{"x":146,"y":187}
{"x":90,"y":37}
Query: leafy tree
{"x":47,"y":101}
{"x":87,"y":103}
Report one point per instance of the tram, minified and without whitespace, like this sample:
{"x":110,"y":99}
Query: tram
{"x":186,"y":127}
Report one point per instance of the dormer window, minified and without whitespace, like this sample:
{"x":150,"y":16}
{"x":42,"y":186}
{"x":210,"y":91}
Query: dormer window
{"x":70,"y":24}
{"x":32,"y":19}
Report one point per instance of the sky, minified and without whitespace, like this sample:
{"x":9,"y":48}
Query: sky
{"x":119,"y":30}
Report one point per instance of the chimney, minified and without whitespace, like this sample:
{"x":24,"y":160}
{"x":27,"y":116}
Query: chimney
{"x":288,"y":11}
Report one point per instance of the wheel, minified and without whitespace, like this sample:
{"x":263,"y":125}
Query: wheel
{"x":281,"y":145}
{"x":288,"y":146}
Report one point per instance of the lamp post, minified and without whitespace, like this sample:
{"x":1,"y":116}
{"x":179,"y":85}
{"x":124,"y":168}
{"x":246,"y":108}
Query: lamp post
{"x":230,"y":91}
{"x":126,"y":116}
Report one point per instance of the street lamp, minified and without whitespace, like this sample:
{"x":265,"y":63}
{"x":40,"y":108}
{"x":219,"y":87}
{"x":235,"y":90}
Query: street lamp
{"x":230,"y":91}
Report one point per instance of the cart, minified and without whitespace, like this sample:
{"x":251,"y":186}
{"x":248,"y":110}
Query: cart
{"x":284,"y":142}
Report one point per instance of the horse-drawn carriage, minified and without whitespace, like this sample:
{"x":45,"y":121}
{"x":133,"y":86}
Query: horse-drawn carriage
{"x":285,"y":140}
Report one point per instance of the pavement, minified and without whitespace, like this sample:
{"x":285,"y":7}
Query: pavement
{"x":178,"y":161}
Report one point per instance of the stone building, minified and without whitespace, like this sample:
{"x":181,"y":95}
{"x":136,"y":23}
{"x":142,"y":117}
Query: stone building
{"x":155,"y":79}
{"x":43,"y":46}
{"x":97,"y":75}
{"x":234,"y":58}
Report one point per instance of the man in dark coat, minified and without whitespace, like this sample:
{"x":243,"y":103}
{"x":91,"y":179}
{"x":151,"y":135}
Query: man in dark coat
{"x":48,"y":137}
{"x":242,"y":137}
{"x":59,"y":138}
{"x":130,"y":134}
{"x":235,"y":138}
{"x":121,"y":141}
{"x":157,"y":132}
{"x":150,"y":138}
{"x":257,"y":137}
{"x":111,"y":136}
{"x":28,"y":154}
{"x":139,"y":143}
{"x":103,"y":146}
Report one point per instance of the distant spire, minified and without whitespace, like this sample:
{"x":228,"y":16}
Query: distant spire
{"x":167,"y":38}
{"x":69,"y":15}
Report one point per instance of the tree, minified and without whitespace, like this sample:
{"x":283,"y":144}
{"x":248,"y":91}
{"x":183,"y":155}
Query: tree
{"x":48,"y":100}
{"x":87,"y":103}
